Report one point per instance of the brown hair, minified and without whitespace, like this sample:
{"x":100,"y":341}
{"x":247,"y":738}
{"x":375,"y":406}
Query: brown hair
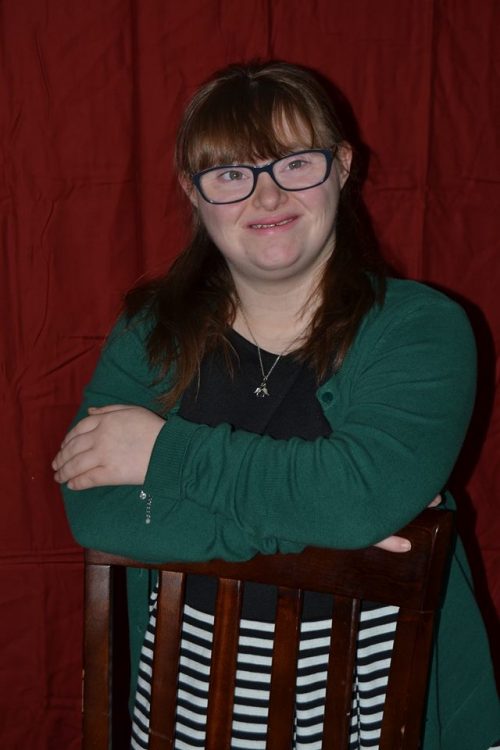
{"x":236,"y":116}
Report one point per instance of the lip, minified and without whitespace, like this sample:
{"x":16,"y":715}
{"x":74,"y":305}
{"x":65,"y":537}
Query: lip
{"x":273,"y":223}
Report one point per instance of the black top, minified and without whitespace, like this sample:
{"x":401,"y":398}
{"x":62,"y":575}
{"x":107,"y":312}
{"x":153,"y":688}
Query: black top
{"x":290,"y":410}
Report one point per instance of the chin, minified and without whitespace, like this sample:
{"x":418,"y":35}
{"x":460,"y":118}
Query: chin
{"x":279,"y":261}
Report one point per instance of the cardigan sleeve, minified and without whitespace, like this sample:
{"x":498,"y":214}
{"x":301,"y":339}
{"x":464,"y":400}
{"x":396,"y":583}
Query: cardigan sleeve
{"x":400,"y":407}
{"x":113,"y":519}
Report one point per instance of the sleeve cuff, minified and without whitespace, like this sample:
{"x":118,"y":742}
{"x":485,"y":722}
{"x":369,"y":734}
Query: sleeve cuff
{"x":164,"y":475}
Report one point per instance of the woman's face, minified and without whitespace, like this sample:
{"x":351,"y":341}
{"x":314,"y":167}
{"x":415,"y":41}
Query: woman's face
{"x":277,"y":235}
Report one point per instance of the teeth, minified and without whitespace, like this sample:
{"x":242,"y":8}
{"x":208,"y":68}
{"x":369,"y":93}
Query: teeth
{"x":269,"y":226}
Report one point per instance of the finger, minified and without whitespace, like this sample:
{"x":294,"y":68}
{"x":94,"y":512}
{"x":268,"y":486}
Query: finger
{"x":81,"y":463}
{"x":95,"y":477}
{"x":87,"y":424}
{"x":394,"y":544}
{"x":78,"y":444}
{"x":107,"y":409}
{"x":437,"y":501}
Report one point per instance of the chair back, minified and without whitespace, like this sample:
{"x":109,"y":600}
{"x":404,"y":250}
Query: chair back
{"x":412,"y":581}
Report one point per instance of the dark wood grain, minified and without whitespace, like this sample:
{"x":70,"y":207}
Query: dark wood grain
{"x":97,"y":659}
{"x":166,"y":660}
{"x":345,"y":623}
{"x":223,"y":666}
{"x":284,"y":669}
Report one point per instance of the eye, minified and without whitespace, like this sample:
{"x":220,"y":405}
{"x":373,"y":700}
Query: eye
{"x":231,"y":175}
{"x":296,"y":164}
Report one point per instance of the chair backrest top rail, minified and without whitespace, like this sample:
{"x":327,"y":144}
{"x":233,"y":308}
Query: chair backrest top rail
{"x":371,"y":573}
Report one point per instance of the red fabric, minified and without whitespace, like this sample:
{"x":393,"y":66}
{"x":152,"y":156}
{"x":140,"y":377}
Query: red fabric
{"x":92,"y":93}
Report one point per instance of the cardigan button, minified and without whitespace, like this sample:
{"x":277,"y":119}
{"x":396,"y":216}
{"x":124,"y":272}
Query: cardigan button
{"x":327,"y":397}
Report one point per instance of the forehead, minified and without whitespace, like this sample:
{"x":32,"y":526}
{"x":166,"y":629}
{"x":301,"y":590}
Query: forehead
{"x":254,"y":142}
{"x":287,"y":139}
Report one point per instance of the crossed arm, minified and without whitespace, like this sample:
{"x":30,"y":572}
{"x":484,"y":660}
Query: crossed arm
{"x":113,"y":446}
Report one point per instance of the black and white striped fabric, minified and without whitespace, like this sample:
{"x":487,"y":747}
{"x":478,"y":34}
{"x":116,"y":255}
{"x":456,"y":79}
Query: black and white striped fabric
{"x":374,"y":648}
{"x":375,"y":643}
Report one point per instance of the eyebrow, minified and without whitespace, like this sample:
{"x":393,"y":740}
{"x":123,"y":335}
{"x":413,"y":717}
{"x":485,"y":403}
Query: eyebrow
{"x":292,"y":149}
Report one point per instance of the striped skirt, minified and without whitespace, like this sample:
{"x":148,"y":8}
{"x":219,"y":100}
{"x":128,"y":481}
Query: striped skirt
{"x":375,"y":643}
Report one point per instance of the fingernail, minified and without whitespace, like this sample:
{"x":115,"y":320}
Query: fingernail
{"x":405,"y":545}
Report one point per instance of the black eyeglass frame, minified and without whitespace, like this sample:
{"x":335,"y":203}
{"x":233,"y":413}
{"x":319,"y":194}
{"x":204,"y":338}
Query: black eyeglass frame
{"x":328,"y":153}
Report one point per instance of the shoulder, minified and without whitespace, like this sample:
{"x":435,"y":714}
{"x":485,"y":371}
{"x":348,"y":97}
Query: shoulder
{"x":127,"y":331}
{"x":124,"y":364}
{"x":415,"y":307}
{"x":417,"y":329}
{"x":127,"y":343}
{"x":405,"y":295}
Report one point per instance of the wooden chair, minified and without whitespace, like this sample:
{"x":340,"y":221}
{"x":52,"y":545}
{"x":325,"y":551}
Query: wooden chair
{"x":412,"y":581}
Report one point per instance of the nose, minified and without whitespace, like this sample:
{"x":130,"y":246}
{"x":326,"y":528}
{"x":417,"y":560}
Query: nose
{"x":267,"y":193}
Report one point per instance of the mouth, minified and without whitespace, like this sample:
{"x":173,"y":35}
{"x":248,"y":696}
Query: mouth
{"x":274,"y":224}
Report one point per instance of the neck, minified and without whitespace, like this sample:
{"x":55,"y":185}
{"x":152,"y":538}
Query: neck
{"x":276,"y":318}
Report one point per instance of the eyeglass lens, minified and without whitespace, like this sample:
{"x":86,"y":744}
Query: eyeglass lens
{"x":294,"y":172}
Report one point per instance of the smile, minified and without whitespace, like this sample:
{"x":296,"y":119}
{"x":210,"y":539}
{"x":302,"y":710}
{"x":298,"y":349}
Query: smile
{"x":274,"y":224}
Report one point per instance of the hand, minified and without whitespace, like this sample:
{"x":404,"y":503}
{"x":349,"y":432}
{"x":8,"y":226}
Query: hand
{"x":398,"y":543}
{"x":113,"y":445}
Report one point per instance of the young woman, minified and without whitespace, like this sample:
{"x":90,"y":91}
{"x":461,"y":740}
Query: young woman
{"x":274,"y":390}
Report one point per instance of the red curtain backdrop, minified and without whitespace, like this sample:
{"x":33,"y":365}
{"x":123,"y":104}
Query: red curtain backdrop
{"x":92,"y":93}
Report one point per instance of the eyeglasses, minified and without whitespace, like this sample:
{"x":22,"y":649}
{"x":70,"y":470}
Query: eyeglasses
{"x":231,"y":183}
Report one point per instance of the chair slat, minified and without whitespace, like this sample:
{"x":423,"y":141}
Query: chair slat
{"x":166,"y":660}
{"x":97,"y":659}
{"x":406,"y":692}
{"x":420,"y":673}
{"x":284,"y":669}
{"x":345,"y":624}
{"x":223,"y":664}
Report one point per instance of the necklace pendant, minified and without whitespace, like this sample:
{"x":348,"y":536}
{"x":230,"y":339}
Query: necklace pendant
{"x":261,"y":391}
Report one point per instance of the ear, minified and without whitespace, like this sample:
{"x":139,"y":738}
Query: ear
{"x":343,"y":160}
{"x":189,"y":189}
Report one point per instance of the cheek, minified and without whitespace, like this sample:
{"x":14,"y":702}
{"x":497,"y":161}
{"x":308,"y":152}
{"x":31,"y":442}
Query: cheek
{"x":218,"y":220}
{"x":325,"y":211}
{"x":331,"y":202}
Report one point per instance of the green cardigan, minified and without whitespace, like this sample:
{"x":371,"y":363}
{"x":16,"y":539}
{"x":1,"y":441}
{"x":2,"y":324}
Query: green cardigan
{"x":399,"y":408}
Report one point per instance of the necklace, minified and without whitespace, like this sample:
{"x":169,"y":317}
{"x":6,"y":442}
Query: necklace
{"x":261,"y":391}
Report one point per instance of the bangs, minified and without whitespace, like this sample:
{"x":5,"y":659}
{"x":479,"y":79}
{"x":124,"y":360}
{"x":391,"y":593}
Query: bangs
{"x":249,"y":122}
